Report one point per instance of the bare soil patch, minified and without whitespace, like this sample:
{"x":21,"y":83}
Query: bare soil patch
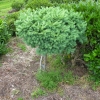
{"x":17,"y":78}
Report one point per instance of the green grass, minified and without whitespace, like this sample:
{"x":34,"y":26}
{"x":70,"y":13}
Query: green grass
{"x":20,"y":98}
{"x":22,"y":47}
{"x":50,"y":79}
{"x":38,"y":92}
{"x":0,"y":64}
{"x":5,"y":6}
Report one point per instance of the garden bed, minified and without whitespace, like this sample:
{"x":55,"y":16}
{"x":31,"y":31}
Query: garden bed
{"x":17,"y":78}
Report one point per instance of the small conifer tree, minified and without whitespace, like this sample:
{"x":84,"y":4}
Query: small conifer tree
{"x":51,"y":30}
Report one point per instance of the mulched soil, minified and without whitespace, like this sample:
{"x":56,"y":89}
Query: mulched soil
{"x":17,"y":78}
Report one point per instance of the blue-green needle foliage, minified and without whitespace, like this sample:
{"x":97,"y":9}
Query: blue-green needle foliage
{"x":52,"y":30}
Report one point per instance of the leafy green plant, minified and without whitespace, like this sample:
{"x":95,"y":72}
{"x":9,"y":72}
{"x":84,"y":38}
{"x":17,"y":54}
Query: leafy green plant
{"x":91,"y":12}
{"x":95,"y":85}
{"x":51,"y":30}
{"x":63,"y":1}
{"x":33,"y":4}
{"x":17,"y":5}
{"x":4,"y":37}
{"x":93,"y":63}
{"x":0,"y":22}
{"x":58,"y":1}
{"x":9,"y":19}
{"x":38,"y":92}
{"x":25,"y":1}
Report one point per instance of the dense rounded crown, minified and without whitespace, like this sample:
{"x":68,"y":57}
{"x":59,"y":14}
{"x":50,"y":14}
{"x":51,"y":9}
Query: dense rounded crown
{"x":51,"y":29}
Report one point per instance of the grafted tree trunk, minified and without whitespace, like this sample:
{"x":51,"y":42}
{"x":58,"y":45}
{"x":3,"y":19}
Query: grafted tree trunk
{"x":77,"y":57}
{"x":43,"y":62}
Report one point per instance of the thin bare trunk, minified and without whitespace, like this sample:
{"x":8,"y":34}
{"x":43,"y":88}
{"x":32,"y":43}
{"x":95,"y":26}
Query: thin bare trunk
{"x":43,"y":62}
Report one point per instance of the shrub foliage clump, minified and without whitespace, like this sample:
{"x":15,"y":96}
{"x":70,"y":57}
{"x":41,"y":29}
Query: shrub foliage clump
{"x":9,"y":19}
{"x":17,"y":5}
{"x":63,"y":1}
{"x":51,"y":30}
{"x":4,"y":37}
{"x":33,"y":4}
{"x":91,"y":12}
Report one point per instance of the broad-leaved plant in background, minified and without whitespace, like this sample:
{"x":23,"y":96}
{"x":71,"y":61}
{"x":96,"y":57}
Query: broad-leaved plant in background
{"x":91,"y":13}
{"x":4,"y":37}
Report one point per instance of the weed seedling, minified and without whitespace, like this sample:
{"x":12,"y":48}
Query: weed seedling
{"x":20,"y":98}
{"x":22,"y":47}
{"x":38,"y":92}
